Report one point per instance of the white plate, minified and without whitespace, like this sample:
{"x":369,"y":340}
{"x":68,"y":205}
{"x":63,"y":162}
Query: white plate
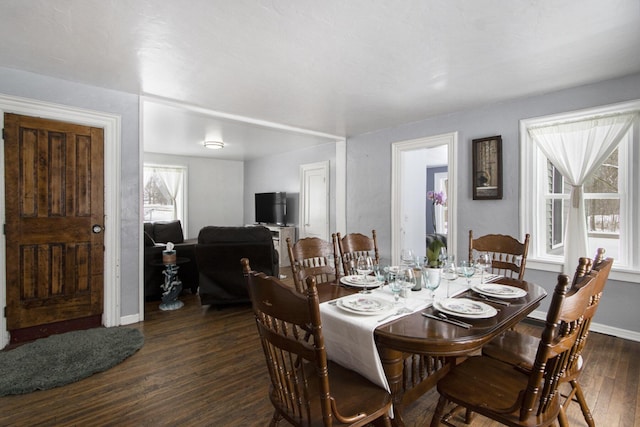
{"x":364,"y":304}
{"x":357,"y":281}
{"x":463,"y":307}
{"x":499,"y":291}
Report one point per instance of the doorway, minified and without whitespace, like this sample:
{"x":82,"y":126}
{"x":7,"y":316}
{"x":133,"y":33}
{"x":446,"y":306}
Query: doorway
{"x":408,"y":191}
{"x":54,"y":205}
{"x":314,"y":201}
{"x":111,"y":124}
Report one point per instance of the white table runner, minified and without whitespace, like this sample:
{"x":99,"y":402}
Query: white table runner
{"x":348,"y":337}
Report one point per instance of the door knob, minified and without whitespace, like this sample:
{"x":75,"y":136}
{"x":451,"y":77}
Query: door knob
{"x":96,"y":228}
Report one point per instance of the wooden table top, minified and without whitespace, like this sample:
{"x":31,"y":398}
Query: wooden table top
{"x":417,"y":334}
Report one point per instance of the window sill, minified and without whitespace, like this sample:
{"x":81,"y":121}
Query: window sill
{"x":621,"y":274}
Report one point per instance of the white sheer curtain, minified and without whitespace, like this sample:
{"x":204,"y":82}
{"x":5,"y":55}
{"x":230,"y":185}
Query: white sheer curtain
{"x":172,"y":179}
{"x":577,"y":149}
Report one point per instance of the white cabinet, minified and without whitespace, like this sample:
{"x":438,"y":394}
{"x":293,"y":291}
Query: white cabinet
{"x":280,"y":235}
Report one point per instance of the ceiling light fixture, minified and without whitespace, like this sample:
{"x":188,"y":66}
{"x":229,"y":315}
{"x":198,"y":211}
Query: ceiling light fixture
{"x":214,"y":145}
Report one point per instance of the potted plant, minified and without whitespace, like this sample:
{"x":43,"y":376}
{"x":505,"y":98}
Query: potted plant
{"x":433,"y":253}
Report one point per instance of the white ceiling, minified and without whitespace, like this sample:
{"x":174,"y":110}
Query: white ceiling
{"x":257,"y":72}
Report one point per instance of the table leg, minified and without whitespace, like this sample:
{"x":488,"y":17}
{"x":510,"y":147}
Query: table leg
{"x":392,"y":363}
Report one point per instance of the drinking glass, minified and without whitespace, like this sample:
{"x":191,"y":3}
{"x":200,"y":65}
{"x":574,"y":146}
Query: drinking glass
{"x":379,"y":272}
{"x":467,"y":268}
{"x":409,"y":282}
{"x":449,"y":272}
{"x":431,"y":278}
{"x":484,"y":263}
{"x":396,"y":287}
{"x":364,"y":268}
{"x":418,"y":265}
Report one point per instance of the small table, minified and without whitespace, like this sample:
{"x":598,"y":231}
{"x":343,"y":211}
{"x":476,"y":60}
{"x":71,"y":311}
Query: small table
{"x":172,"y":285}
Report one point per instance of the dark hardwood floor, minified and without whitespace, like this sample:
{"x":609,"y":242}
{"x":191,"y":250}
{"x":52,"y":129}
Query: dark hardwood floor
{"x":204,"y":367}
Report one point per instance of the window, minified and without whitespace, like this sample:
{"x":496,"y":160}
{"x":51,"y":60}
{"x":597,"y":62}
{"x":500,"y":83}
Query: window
{"x":164,"y":189}
{"x":611,"y":196}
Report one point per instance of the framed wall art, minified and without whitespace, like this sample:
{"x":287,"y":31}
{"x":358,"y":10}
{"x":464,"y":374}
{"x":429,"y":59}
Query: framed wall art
{"x":487,"y":168}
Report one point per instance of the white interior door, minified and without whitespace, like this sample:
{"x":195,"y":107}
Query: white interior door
{"x":314,"y":200}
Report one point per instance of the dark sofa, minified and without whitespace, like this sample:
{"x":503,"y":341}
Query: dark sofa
{"x":218,"y":254}
{"x":156,"y":236}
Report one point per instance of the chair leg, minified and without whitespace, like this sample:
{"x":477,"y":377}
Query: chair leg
{"x":583,"y":403}
{"x":437,"y":415}
{"x":562,"y":418}
{"x":275,"y":419}
{"x":469,"y":416}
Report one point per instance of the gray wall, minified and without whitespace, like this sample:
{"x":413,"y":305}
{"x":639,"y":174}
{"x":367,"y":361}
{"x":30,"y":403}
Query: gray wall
{"x":208,"y":201}
{"x":369,"y":160}
{"x":37,"y":87}
{"x":282,"y":173}
{"x":368,"y":171}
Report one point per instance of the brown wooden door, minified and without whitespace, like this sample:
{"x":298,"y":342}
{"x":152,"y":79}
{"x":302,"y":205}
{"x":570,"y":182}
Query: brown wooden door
{"x":54,"y":185}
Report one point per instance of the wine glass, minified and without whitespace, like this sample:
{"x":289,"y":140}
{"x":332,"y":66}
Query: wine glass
{"x":379,"y":273}
{"x":407,"y":257}
{"x":467,"y":268}
{"x":484,"y":263}
{"x":432,"y":278}
{"x":364,"y":268}
{"x":442,"y":256}
{"x":449,"y":272}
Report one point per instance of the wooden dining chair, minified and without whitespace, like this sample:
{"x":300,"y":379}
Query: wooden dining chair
{"x":521,"y":397}
{"x":508,"y":255}
{"x":353,"y":245}
{"x":515,"y":347}
{"x":306,"y":389}
{"x":315,"y":257}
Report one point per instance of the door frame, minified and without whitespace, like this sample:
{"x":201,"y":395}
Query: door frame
{"x":399,"y":148}
{"x":112,"y":143}
{"x":304,"y":168}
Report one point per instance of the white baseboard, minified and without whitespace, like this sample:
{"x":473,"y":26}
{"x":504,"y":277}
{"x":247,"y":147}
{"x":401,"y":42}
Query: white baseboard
{"x":129,"y":320}
{"x":597,"y":327}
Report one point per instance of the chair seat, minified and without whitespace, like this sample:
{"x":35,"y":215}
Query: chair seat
{"x":352,"y":392}
{"x":513,"y":347}
{"x":489,"y":386}
{"x":518,"y":349}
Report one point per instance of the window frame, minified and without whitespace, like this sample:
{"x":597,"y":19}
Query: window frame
{"x":532,"y":191}
{"x":181,"y":211}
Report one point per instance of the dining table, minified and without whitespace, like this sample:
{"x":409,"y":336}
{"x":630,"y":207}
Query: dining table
{"x":407,"y":353}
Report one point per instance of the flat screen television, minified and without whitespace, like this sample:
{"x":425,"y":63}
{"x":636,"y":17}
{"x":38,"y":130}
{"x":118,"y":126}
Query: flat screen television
{"x":271,"y":208}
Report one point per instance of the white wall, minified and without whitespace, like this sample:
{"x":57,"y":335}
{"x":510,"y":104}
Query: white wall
{"x":215,"y":190}
{"x":368,"y":161}
{"x":282,"y":173}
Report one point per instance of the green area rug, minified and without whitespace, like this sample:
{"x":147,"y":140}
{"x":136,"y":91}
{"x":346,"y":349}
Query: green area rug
{"x":65,"y":358}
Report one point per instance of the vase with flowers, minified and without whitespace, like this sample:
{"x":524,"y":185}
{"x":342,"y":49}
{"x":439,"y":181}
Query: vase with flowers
{"x":438,"y":198}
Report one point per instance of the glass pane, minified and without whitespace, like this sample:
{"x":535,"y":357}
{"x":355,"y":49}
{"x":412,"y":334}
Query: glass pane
{"x":603,"y":216}
{"x":605,"y":179}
